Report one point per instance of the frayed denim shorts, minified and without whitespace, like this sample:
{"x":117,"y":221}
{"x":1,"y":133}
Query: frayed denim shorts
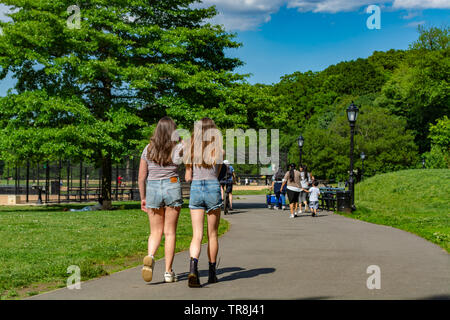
{"x":206,"y":195}
{"x":163,"y":193}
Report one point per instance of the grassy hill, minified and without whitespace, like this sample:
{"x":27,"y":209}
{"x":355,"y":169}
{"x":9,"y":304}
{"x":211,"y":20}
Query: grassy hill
{"x":417,"y":201}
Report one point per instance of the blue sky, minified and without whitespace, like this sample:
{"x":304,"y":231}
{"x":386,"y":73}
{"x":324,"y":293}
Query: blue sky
{"x":301,"y":41}
{"x":284,"y":36}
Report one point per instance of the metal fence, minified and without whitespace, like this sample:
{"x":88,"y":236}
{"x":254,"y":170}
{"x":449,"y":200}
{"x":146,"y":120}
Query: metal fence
{"x":68,"y":181}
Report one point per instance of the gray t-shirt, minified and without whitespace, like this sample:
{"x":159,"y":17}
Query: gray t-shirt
{"x":157,"y":172}
{"x":314,"y":194}
{"x":305,"y":180}
{"x":201,"y":173}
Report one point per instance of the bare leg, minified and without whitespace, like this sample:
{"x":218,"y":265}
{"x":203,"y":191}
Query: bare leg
{"x":156,"y":218}
{"x":213,"y":238}
{"x":231,"y":200}
{"x":170,"y":230}
{"x":197,"y":218}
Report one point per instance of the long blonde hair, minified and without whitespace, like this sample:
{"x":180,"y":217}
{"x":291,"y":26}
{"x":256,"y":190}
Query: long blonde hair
{"x":206,"y":145}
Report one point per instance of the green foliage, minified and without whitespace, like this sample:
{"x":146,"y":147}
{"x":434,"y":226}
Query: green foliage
{"x":439,"y":155}
{"x":92,"y":92}
{"x":419,"y":89}
{"x":432,"y":38}
{"x":440,"y":133}
{"x":436,"y":158}
{"x":383,"y":138}
{"x":353,"y":78}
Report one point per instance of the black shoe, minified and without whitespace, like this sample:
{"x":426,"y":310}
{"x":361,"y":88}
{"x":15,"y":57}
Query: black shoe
{"x":193,"y":277}
{"x":212,"y":278}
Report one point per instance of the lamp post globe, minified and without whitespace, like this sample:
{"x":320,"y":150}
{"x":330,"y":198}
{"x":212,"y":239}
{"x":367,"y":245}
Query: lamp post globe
{"x":300,"y":142}
{"x":352,"y":113}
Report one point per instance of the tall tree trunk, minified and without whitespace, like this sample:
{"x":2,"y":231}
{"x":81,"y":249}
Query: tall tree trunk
{"x":106,"y":182}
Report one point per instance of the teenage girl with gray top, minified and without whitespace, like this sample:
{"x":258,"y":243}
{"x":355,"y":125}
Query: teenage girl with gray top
{"x":205,"y":197}
{"x":160,"y":191}
{"x":306,"y":180}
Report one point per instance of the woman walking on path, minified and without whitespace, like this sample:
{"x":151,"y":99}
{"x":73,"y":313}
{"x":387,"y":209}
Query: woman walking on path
{"x":161,"y":198}
{"x":305,"y":181}
{"x":292,"y":179}
{"x":203,"y":168}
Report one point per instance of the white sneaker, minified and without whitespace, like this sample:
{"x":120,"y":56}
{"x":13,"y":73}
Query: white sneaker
{"x":292,"y":216}
{"x":276,"y":208}
{"x":283,"y":208}
{"x":170,"y":277}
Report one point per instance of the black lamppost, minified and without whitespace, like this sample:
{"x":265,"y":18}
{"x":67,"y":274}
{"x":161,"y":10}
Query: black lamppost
{"x":363,"y":157}
{"x":352,"y":115}
{"x":300,"y":141}
{"x":423,"y":163}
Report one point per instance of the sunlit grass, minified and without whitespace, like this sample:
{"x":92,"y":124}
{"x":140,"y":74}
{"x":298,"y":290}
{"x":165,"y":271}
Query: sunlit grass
{"x":417,"y":201}
{"x":40,"y":243}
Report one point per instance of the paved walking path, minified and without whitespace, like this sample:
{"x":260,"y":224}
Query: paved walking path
{"x":267,"y":255}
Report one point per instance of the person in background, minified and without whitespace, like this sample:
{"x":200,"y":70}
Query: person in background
{"x":160,"y":191}
{"x":314,"y":194}
{"x":226,"y":184}
{"x":277,"y":182}
{"x":292,"y":179}
{"x":305,"y":181}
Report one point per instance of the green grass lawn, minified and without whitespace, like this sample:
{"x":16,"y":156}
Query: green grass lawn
{"x":249,"y":192}
{"x":40,"y":243}
{"x":417,"y":201}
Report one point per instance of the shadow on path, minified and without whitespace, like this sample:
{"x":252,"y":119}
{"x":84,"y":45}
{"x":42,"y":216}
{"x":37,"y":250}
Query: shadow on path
{"x":236,"y":273}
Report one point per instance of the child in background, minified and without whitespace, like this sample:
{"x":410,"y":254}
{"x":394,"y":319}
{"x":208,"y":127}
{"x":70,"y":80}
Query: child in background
{"x":314,"y":193}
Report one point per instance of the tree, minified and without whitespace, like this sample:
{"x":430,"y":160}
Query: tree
{"x":92,"y":91}
{"x":439,"y":155}
{"x":419,"y":88}
{"x":432,"y":39}
{"x":377,"y":133}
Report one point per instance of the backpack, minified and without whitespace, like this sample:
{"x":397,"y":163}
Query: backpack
{"x":225,"y":173}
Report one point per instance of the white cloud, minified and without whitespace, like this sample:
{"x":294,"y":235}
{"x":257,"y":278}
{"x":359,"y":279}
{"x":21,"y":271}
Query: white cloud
{"x":244,"y":14}
{"x":3,"y":11}
{"x":250,"y":14}
{"x":421,"y":4}
{"x":415,"y":24}
{"x":328,"y":6}
{"x":412,"y":15}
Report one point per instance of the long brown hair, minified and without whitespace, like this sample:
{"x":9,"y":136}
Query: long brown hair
{"x":206,"y":136}
{"x":161,"y":143}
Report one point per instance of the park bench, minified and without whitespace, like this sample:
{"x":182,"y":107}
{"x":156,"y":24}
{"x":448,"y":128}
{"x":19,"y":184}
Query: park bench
{"x":328,"y":200}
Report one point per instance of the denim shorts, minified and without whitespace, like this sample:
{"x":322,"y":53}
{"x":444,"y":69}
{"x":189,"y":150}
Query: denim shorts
{"x":314,"y":205}
{"x":164,"y":193}
{"x":206,"y":195}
